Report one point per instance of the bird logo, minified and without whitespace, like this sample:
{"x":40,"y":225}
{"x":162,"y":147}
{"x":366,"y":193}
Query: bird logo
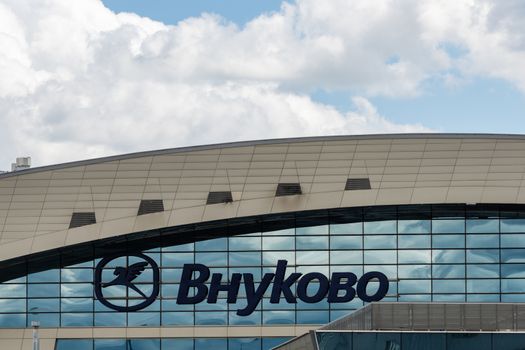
{"x":125,"y":276}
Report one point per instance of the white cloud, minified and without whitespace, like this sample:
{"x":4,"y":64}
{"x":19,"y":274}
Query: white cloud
{"x":78,"y":80}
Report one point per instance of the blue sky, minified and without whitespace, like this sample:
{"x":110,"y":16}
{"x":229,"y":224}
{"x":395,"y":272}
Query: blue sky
{"x":480,"y":104}
{"x":90,"y":78}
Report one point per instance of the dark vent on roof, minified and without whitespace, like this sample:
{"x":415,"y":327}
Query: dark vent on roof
{"x":288,"y":189}
{"x":148,"y":206}
{"x":357,"y":184}
{"x":82,"y":219}
{"x":219,"y":197}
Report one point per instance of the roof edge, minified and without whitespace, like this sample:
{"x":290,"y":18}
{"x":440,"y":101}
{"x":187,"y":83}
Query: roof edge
{"x":257,"y":143}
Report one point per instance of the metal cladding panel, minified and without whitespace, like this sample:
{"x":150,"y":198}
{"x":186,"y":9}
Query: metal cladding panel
{"x":412,"y":169}
{"x":438,"y":317}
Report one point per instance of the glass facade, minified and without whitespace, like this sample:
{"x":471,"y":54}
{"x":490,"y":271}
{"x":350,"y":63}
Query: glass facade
{"x":443,"y":253}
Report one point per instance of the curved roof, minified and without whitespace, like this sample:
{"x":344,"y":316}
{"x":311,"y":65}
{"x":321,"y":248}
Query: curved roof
{"x":36,"y":204}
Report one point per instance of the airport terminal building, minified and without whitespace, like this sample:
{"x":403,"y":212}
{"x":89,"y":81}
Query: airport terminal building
{"x":248,"y":245}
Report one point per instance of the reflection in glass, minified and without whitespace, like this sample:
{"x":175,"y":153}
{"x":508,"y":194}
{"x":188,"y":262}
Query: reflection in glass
{"x":380,"y":227}
{"x":311,"y":242}
{"x":413,"y":241}
{"x":448,"y":241}
{"x":346,"y":242}
{"x":448,"y":226}
{"x":413,"y":226}
{"x":448,"y":271}
{"x":278,"y":243}
{"x":380,"y":242}
{"x":482,"y":225}
{"x":354,"y":228}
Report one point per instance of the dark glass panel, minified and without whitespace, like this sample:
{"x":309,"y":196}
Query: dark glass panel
{"x":461,"y":341}
{"x":143,"y":344}
{"x":177,"y":344}
{"x":77,"y":344}
{"x":423,"y":341}
{"x":210,"y":343}
{"x":110,"y":344}
{"x":376,"y":341}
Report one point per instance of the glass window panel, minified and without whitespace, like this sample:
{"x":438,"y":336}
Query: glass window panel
{"x":346,"y":242}
{"x":271,"y":258}
{"x":171,"y":275}
{"x":389,"y":270}
{"x":256,"y":272}
{"x":513,"y":298}
{"x":171,"y":305}
{"x":413,"y":241}
{"x":120,"y":261}
{"x":76,"y":320}
{"x":244,"y":344}
{"x":414,"y":256}
{"x":177,"y":318}
{"x":508,"y":341}
{"x":353,"y":228}
{"x":448,"y":256}
{"x":177,"y":344}
{"x":110,"y":344}
{"x":423,"y":341}
{"x":355,"y":269}
{"x":278,"y":317}
{"x":313,"y":317}
{"x":312,"y":230}
{"x":99,"y":307}
{"x":136,"y":259}
{"x":269,"y":343}
{"x":44,"y":276}
{"x":483,"y":270}
{"x":513,"y":241}
{"x":211,"y":318}
{"x":212,"y":259}
{"x":413,"y":226}
{"x":380,"y":242}
{"x":244,"y":243}
{"x":512,"y":225}
{"x":312,"y":257}
{"x":513,"y":255}
{"x":483,"y":286}
{"x":448,"y":226}
{"x":448,"y":271}
{"x":110,"y":319}
{"x":482,"y":241}
{"x":77,"y":344}
{"x":346,"y":257}
{"x":12,"y":320}
{"x":77,"y":275}
{"x":415,"y":298}
{"x":376,"y":341}
{"x":512,"y":270}
{"x":414,"y":271}
{"x":218,"y":244}
{"x":43,"y":305}
{"x":43,"y":290}
{"x":512,"y":285}
{"x":482,"y":225}
{"x":245,"y":258}
{"x":13,"y":305}
{"x":76,"y":304}
{"x":12,"y":290}
{"x":76,"y":289}
{"x":253,"y":319}
{"x":144,"y":344}
{"x":482,"y":255}
{"x":285,"y":232}
{"x":448,"y":286}
{"x":312,"y":268}
{"x":448,"y":241}
{"x":483,"y":298}
{"x":448,"y":297}
{"x":176,"y":259}
{"x":414,"y":286}
{"x":312,"y":242}
{"x":278,"y":243}
{"x":380,"y":227}
{"x":188,"y":247}
{"x":208,"y":343}
{"x":380,"y":257}
{"x":46,"y":320}
{"x":143,"y":319}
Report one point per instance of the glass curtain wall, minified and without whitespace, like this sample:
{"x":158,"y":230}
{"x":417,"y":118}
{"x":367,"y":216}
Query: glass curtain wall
{"x":429,"y":253}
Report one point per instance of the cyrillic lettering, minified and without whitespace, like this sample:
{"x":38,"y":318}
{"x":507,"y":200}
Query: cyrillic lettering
{"x":302,"y":287}
{"x":281,"y":285}
{"x":381,"y":291}
{"x":232,"y":288}
{"x":336,"y":286}
{"x":187,"y":282}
